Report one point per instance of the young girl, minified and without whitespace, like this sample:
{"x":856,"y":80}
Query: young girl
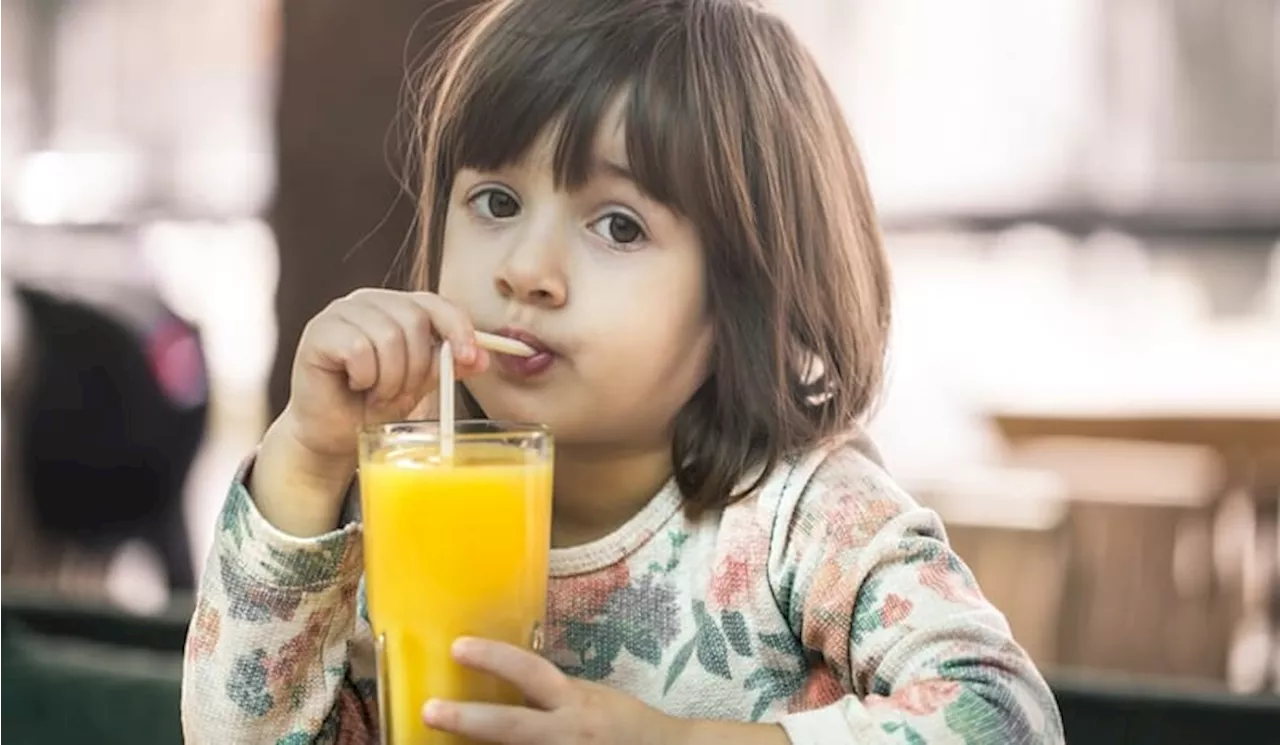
{"x":663,"y":196}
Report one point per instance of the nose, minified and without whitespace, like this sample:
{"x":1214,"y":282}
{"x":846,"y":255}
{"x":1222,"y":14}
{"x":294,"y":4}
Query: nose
{"x":533,"y":273}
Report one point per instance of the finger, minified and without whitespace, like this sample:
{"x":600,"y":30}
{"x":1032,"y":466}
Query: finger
{"x":420,"y":344}
{"x":541,"y":682}
{"x":388,"y":341}
{"x":478,"y":364}
{"x":493,"y":723}
{"x":450,"y":323}
{"x":343,"y":347}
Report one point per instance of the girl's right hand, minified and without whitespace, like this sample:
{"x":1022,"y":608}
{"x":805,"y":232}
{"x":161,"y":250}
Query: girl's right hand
{"x":367,"y":358}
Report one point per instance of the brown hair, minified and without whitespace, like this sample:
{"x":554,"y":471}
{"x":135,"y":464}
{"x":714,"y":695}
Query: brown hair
{"x":728,"y":122}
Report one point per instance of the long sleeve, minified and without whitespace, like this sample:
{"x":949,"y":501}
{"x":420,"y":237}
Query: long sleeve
{"x":277,"y":651}
{"x":871,"y":588}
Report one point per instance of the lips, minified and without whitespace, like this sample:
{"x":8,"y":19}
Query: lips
{"x":526,"y":367}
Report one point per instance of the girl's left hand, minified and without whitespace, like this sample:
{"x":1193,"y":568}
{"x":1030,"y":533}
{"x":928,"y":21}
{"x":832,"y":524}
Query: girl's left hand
{"x":561,"y":710}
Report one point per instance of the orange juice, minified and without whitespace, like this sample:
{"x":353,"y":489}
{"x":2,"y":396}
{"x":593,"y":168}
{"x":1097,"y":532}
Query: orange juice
{"x":451,"y":549}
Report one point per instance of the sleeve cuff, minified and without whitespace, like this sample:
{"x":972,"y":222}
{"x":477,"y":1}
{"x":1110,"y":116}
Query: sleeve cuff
{"x":830,"y":726}
{"x":277,"y":559}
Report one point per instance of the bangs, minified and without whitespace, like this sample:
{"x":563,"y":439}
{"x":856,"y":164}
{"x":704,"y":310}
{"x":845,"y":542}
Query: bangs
{"x":558,"y":70}
{"x":727,"y":122}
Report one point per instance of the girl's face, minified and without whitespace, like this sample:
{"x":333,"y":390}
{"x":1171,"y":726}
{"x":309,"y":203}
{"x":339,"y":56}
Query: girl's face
{"x":605,"y":279}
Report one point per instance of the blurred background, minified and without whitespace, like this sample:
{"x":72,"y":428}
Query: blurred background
{"x":1082,"y":203}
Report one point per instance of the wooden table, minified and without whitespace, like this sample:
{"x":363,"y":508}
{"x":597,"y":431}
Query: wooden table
{"x":1255,"y":437}
{"x":1249,"y":443}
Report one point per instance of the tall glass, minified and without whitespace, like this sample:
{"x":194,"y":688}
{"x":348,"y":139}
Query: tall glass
{"x":452,"y":548}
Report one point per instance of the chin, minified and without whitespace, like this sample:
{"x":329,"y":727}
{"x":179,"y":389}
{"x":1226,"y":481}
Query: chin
{"x":571,"y":420}
{"x":503,"y":404}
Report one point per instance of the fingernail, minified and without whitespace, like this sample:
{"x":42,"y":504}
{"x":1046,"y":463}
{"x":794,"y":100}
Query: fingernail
{"x":433,"y":711}
{"x":461,"y":646}
{"x":467,"y":353}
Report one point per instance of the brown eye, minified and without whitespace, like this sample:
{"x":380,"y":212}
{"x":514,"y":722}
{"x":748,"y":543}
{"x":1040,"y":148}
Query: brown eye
{"x":624,"y":230}
{"x":502,"y":205}
{"x":619,"y":229}
{"x":495,"y":204}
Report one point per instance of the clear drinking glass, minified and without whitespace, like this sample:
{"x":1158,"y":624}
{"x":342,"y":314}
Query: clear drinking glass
{"x":453,"y":547}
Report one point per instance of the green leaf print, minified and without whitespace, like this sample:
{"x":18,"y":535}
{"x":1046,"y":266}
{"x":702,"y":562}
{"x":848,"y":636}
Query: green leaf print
{"x":600,"y":665}
{"x":783,"y":642}
{"x":300,"y":570}
{"x":787,"y":592}
{"x":679,"y":663}
{"x":713,"y":653}
{"x":295,"y":738}
{"x":247,"y":684}
{"x":866,"y":611}
{"x":579,"y":636}
{"x":774,"y":684}
{"x":644,"y":645}
{"x":678,"y":539}
{"x":974,"y":718}
{"x":362,"y":600}
{"x":908,"y":733}
{"x":234,"y":512}
{"x":735,"y":630}
{"x":597,"y":646}
{"x":597,"y":643}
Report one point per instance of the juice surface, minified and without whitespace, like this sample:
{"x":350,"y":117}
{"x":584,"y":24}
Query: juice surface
{"x":451,"y":550}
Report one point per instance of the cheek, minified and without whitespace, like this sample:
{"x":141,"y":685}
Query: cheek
{"x":658,"y":335}
{"x":462,"y":272}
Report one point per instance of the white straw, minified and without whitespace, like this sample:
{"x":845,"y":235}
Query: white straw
{"x":504,"y":345}
{"x":446,"y":402}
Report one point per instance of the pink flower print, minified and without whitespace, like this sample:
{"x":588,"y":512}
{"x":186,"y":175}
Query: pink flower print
{"x":204,"y":632}
{"x":894,"y":609}
{"x":947,"y":578}
{"x":821,"y":688}
{"x":581,"y":597}
{"x":731,"y":582}
{"x":287,"y":673}
{"x":828,"y":606}
{"x":743,"y":553}
{"x":845,"y":522}
{"x":920,"y":698}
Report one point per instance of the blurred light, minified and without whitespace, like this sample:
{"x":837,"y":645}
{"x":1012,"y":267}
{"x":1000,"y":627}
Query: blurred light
{"x":1248,"y":661}
{"x":966,"y":105}
{"x":69,"y":187}
{"x":224,"y":182}
{"x":136,"y":580}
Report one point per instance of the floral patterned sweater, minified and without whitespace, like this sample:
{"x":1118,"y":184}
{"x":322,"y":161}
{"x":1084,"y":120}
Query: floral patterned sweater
{"x":828,"y":602}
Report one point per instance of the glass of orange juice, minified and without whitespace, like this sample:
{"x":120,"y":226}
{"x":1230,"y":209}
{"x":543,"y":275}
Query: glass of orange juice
{"x":453,"y":547}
